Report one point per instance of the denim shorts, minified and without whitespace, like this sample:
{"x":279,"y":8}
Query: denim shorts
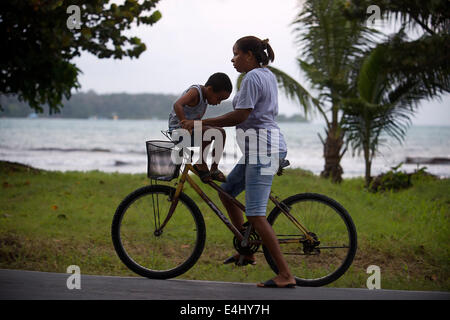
{"x":255,"y":176}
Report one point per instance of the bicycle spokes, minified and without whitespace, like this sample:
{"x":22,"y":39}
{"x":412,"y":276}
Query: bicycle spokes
{"x":156,"y":214}
{"x":324,"y":250}
{"x":146,"y":245}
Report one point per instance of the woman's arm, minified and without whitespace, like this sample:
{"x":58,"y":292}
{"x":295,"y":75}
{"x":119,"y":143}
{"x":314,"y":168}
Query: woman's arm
{"x":229,"y":119}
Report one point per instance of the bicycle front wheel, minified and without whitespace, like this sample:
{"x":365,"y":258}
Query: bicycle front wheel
{"x":326,"y":258}
{"x":149,"y":252}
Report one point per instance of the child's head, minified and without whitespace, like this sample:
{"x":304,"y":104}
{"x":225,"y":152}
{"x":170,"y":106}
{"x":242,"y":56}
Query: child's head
{"x":218,"y":88}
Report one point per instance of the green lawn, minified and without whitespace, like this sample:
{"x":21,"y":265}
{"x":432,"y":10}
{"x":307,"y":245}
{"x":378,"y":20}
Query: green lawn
{"x":50,"y":220}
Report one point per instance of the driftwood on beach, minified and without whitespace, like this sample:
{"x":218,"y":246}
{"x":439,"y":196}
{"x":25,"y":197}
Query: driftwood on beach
{"x":425,"y":160}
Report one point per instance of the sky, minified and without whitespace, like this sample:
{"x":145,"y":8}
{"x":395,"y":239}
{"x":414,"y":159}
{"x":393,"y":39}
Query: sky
{"x":194,"y":39}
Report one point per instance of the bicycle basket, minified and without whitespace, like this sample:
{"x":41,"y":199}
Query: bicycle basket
{"x":160,"y":163}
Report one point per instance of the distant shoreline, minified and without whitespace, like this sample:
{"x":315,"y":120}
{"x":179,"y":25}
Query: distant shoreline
{"x":282,"y":118}
{"x":290,"y":120}
{"x":115,"y":106}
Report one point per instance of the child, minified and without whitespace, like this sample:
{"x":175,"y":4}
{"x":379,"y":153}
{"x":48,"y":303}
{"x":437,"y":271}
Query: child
{"x":192,"y":106}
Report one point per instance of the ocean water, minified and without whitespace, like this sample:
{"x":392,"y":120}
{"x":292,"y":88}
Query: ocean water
{"x":119,"y":145}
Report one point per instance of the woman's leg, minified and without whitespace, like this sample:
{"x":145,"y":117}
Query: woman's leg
{"x":235,"y":214}
{"x":237,"y":219}
{"x":270,"y":240}
{"x":234,"y":186}
{"x":259,"y":178}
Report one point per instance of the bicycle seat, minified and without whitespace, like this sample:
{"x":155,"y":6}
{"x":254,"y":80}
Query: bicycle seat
{"x":283,"y":164}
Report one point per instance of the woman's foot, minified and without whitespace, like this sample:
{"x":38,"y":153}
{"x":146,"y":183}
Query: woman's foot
{"x":278,"y":282}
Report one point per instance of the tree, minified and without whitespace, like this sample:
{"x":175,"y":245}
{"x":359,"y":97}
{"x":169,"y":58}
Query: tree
{"x":399,"y":72}
{"x":380,"y":107}
{"x":331,"y":47}
{"x":38,"y":42}
{"x":424,"y":60}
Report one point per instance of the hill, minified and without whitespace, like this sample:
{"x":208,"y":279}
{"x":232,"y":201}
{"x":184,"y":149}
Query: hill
{"x":122,"y":105}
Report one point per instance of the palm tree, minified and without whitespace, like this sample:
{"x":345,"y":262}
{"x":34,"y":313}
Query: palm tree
{"x":381,"y":106}
{"x":425,"y":59}
{"x":331,"y":47}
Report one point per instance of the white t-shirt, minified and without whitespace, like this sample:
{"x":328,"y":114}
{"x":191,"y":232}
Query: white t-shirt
{"x":259,"y":92}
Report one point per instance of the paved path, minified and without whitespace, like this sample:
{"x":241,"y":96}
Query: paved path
{"x":33,"y":285}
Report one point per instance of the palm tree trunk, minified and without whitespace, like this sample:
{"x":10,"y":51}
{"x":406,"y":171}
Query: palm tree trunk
{"x":368,"y":177}
{"x":332,"y":153}
{"x":332,"y":147}
{"x":367,"y":155}
{"x":368,"y":163}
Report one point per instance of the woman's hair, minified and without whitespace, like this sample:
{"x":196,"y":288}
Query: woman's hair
{"x":219,"y":82}
{"x":261,"y":49}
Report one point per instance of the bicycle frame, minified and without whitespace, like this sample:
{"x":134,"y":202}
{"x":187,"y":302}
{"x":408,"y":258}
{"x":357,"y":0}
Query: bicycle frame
{"x":185,"y":177}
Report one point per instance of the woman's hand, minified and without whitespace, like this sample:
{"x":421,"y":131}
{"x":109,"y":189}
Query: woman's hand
{"x":187,"y":124}
{"x":229,"y":119}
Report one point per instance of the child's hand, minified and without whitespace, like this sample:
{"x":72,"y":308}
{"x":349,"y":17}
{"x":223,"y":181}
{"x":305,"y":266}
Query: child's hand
{"x":187,"y":124}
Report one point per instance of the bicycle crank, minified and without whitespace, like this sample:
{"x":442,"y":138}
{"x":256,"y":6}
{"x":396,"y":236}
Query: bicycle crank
{"x":310,"y":246}
{"x":249,"y":245}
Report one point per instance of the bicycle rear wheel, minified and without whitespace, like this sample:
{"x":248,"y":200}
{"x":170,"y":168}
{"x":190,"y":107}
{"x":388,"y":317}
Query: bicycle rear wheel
{"x":152,"y":254}
{"x":331,"y":253}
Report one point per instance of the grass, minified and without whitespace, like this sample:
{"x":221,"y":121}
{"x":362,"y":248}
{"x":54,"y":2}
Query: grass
{"x":50,"y":220}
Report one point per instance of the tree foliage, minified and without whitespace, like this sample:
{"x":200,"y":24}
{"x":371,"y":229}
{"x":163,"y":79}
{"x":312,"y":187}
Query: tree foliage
{"x":379,"y":107}
{"x":329,"y":46}
{"x":37,"y":45}
{"x":424,"y":60}
{"x":398,"y":73}
{"x":330,"y":50}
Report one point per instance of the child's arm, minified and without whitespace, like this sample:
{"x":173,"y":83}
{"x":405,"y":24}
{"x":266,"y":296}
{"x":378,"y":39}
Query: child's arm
{"x":190,"y":98}
{"x":201,"y":116}
{"x":229,"y":119}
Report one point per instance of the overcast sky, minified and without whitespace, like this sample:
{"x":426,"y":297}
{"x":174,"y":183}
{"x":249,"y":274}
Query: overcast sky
{"x":194,"y":39}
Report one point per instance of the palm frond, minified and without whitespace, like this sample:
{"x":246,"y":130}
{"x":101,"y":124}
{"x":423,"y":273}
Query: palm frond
{"x":239,"y":80}
{"x":327,"y":39}
{"x":295,"y":91}
{"x":292,"y":89}
{"x":331,"y":49}
{"x":372,"y":76}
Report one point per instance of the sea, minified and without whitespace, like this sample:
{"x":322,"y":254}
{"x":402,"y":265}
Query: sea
{"x":119,"y":146}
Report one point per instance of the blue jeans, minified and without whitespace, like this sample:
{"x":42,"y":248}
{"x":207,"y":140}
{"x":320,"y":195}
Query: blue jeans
{"x":255,"y":176}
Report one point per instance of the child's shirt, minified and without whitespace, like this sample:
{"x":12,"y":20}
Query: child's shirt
{"x":191,"y":113}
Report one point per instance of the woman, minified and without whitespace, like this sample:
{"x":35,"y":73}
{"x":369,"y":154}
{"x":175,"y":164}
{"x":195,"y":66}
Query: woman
{"x":255,"y":107}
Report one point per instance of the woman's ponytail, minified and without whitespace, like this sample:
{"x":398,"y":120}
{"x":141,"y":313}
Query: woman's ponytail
{"x":270,"y":54}
{"x":261,"y":49}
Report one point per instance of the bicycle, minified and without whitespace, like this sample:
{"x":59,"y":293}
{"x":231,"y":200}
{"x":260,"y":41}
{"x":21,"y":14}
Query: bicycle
{"x":159,"y":232}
